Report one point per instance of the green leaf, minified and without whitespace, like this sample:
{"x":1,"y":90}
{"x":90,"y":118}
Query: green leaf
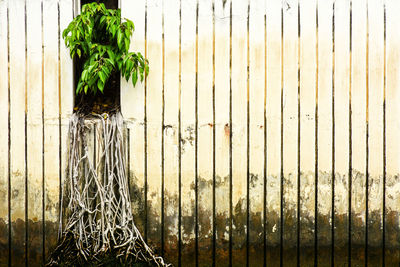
{"x":102,"y":19}
{"x":79,"y":88}
{"x":130,"y":65}
{"x":101,"y":40}
{"x":100,"y":85}
{"x":130,"y":24}
{"x":127,"y":43}
{"x":141,"y":73}
{"x":127,"y":75}
{"x":84,"y":75}
{"x":102,"y":77}
{"x":109,"y":61}
{"x":91,"y":67}
{"x":106,"y":71}
{"x":111,"y":54}
{"x":113,"y":30}
{"x":65,"y":33}
{"x":119,"y":39}
{"x":92,"y":81}
{"x":134,"y":77}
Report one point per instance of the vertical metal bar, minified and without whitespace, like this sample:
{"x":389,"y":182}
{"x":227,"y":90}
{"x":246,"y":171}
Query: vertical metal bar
{"x":265,"y":142}
{"x":384,"y":139}
{"x":146,"y":228}
{"x":298,"y":131}
{"x":230,"y":136}
{"x":59,"y":113}
{"x":366,"y":141}
{"x":43,"y":171}
{"x":281,"y":182}
{"x":333,"y":136}
{"x":7,"y":166}
{"x":162,"y":136}
{"x":26,"y":143}
{"x":196,"y":166}
{"x":180,"y":141}
{"x":316,"y":140}
{"x":9,"y":136}
{"x":248,"y":140}
{"x":350,"y":135}
{"x":213,"y":136}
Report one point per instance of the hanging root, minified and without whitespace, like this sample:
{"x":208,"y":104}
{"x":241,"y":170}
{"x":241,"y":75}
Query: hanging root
{"x":97,"y":225}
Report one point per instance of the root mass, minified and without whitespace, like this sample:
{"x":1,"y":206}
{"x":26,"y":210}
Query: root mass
{"x":96,"y":222}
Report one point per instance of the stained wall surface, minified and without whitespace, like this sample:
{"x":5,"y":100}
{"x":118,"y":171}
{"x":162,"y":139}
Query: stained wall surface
{"x":266,"y":132}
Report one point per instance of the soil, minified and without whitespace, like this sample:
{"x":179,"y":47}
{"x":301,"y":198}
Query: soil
{"x":106,"y":102}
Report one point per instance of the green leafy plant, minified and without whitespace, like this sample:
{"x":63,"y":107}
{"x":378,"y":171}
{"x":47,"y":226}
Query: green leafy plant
{"x":101,"y":40}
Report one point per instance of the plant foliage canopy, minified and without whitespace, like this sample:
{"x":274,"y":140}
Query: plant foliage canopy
{"x":101,"y":39}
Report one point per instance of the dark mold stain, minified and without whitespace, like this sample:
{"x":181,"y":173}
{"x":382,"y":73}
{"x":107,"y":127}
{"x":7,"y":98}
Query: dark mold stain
{"x":392,"y":230}
{"x":324,"y":230}
{"x":205,"y":236}
{"x":253,"y":180}
{"x":256,"y":242}
{"x":14,"y":193}
{"x":51,"y":236}
{"x":187,"y":138}
{"x":273,"y":255}
{"x":153,"y":228}
{"x":239,"y":217}
{"x":3,"y":242}
{"x":273,"y":228}
{"x":137,"y":200}
{"x":35,"y":243}
{"x":18,"y":242}
{"x":256,"y":248}
{"x":188,"y":254}
{"x":222,"y":239}
{"x":239,"y":222}
{"x":187,"y":226}
{"x":341,"y":239}
{"x":202,"y":184}
{"x":357,"y":230}
{"x":221,"y":183}
{"x":324,"y":256}
{"x":307,"y":226}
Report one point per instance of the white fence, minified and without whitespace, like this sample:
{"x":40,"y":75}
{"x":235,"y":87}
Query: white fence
{"x":265,"y":128}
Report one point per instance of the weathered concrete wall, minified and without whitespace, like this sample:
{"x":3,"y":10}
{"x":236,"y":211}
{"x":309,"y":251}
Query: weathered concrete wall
{"x":36,"y":99}
{"x":267,"y":131}
{"x":250,"y":108}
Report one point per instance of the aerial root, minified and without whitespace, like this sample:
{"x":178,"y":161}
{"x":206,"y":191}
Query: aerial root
{"x":96,"y":221}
